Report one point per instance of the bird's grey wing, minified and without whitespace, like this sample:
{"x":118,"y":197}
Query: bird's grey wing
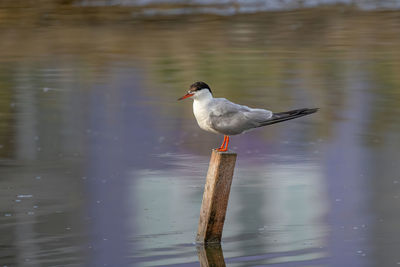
{"x":229,"y":118}
{"x":258,"y":116}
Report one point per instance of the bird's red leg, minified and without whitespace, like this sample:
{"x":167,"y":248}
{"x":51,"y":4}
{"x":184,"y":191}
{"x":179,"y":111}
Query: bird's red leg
{"x":226,"y":143}
{"x":223,"y":144}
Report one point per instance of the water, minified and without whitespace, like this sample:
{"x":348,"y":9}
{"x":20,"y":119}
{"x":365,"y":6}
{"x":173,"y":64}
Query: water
{"x":100,"y":165}
{"x":232,"y":7}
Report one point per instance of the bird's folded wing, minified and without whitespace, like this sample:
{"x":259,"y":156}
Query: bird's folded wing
{"x":230,"y":118}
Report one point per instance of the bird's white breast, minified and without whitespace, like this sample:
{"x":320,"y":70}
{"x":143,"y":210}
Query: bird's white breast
{"x":202,"y":114}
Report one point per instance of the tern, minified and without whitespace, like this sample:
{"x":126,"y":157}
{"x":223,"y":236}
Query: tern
{"x":220,"y":116}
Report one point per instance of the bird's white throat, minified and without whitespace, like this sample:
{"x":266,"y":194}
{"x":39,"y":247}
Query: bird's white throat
{"x":201,"y":99}
{"x":201,"y":111}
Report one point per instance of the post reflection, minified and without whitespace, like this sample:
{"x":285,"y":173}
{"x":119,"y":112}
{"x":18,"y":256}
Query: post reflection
{"x":210,"y":255}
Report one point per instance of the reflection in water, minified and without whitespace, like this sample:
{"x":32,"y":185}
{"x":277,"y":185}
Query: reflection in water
{"x":110,"y":130}
{"x":346,"y":171}
{"x":100,"y":165}
{"x":265,"y":213}
{"x":232,"y":7}
{"x":210,"y":255}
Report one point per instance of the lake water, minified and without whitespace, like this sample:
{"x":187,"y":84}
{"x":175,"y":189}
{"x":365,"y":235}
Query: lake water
{"x":101,"y":166}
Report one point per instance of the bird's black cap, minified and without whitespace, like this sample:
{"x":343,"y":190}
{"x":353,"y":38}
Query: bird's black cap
{"x":199,"y":85}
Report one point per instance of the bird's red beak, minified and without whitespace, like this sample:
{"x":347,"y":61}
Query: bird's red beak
{"x":185,"y":96}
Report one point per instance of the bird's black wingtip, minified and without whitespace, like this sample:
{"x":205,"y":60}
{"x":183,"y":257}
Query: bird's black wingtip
{"x":312,"y":110}
{"x":307,"y":111}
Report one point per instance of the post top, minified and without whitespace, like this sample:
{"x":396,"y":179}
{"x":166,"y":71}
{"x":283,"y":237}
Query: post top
{"x":224,"y":152}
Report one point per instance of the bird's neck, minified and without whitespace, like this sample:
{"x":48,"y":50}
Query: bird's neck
{"x":201,"y":108}
{"x":203,"y":98}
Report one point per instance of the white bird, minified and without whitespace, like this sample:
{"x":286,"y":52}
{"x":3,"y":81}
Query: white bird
{"x":220,"y":116}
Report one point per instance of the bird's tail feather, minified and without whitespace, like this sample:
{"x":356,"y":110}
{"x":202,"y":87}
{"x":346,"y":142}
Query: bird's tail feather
{"x":289,"y":115}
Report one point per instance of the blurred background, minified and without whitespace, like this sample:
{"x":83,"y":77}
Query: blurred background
{"x":101,"y":166}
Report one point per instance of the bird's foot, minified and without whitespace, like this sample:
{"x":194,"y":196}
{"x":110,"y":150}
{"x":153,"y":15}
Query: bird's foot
{"x":221,"y":149}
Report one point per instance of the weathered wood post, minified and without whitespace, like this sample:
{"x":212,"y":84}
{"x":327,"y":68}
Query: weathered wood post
{"x":215,"y":197}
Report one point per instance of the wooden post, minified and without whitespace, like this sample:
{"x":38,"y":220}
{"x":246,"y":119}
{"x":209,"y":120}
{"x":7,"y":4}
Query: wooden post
{"x":211,"y":255}
{"x":215,"y":197}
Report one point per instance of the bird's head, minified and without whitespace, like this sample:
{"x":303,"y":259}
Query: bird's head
{"x":198,"y":90}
